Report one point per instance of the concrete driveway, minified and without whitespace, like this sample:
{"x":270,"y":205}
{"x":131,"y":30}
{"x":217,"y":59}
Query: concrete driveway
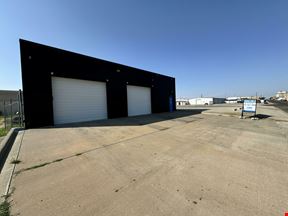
{"x":185,"y":163}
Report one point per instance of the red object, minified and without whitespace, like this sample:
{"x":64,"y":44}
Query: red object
{"x":286,"y":214}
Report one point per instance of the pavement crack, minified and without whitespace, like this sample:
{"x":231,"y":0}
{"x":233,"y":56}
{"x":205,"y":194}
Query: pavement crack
{"x":91,"y":150}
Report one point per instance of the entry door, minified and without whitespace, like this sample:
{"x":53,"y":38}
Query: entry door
{"x":139,"y":100}
{"x":77,"y":100}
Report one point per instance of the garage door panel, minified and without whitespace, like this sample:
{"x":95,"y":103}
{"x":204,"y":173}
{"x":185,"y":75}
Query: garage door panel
{"x":78,"y":100}
{"x":139,"y":100}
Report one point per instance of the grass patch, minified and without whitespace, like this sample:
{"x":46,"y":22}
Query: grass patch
{"x":3,"y":132}
{"x":15,"y":161}
{"x":4,"y":209}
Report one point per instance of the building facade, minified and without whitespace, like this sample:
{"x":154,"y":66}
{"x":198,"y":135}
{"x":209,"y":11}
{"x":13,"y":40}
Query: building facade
{"x":282,"y":95}
{"x":64,"y":87}
{"x":182,"y":102}
{"x":206,"y":101}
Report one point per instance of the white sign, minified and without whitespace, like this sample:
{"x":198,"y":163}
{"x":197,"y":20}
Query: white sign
{"x":249,"y":106}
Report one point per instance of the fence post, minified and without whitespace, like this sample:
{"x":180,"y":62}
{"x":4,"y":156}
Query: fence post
{"x":11,"y":113}
{"x":4,"y":112}
{"x":19,"y":110}
{"x":21,"y":105}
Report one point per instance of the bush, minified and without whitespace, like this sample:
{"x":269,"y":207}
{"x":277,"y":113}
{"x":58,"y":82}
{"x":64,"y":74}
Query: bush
{"x":3,"y":132}
{"x":4,"y":209}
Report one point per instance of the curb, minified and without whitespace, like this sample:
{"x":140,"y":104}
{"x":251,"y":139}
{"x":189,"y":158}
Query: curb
{"x":8,"y":150}
{"x":6,"y":145}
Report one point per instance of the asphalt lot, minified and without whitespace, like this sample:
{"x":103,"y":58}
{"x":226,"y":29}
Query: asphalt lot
{"x":202,"y":161}
{"x":283,"y":105}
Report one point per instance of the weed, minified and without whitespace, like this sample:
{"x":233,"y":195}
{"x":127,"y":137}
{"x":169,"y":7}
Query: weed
{"x":3,"y":132}
{"x":4,"y":209}
{"x":38,"y":166}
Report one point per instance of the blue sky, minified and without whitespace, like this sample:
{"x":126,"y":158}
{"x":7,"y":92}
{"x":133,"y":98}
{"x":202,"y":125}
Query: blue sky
{"x":212,"y":47}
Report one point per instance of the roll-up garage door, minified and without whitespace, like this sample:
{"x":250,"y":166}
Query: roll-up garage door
{"x":139,"y":100}
{"x":77,"y":100}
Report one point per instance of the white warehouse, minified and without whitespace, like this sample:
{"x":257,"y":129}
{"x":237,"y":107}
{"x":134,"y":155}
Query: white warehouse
{"x":206,"y":101}
{"x":182,"y":102}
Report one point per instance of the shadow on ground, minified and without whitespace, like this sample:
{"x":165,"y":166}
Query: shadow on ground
{"x":258,"y":116}
{"x":262,"y":116}
{"x":137,"y":120}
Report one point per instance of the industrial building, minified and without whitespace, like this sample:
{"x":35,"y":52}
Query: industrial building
{"x":8,"y":97}
{"x":206,"y":101}
{"x":62,"y":87}
{"x":282,"y":95}
{"x":232,"y":100}
{"x":182,"y":102}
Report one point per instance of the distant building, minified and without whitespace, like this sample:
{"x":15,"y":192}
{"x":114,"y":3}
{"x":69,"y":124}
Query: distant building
{"x":6,"y":96}
{"x":182,"y":102}
{"x":206,"y":101}
{"x":232,"y":100}
{"x":282,"y":95}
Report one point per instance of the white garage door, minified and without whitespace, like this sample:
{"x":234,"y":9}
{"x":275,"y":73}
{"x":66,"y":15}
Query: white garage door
{"x":139,"y":100}
{"x":78,"y":100}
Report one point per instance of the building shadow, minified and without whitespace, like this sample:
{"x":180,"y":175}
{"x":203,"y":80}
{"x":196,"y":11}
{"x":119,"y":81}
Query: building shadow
{"x":138,"y":120}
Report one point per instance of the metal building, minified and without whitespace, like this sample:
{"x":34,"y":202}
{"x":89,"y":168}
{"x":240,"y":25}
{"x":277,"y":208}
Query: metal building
{"x":206,"y":101}
{"x":64,"y":87}
{"x":182,"y":102}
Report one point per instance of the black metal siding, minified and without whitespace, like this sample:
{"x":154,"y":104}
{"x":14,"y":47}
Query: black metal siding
{"x":40,"y":62}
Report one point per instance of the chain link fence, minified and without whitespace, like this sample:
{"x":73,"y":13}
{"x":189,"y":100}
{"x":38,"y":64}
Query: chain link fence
{"x":11,"y":112}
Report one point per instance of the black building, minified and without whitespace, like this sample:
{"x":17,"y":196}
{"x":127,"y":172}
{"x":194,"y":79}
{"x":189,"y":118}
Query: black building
{"x":63,"y":87}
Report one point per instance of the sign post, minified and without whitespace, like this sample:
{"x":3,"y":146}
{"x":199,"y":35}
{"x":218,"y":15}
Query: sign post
{"x":249,"y":106}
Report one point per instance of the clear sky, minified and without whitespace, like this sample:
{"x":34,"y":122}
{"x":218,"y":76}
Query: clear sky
{"x":212,"y":47}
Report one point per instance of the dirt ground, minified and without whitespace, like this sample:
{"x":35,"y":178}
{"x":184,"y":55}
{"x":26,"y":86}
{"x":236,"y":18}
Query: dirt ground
{"x":1,"y":122}
{"x":184,"y":163}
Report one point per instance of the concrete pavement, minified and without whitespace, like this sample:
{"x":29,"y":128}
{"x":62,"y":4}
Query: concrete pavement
{"x":191,"y":165}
